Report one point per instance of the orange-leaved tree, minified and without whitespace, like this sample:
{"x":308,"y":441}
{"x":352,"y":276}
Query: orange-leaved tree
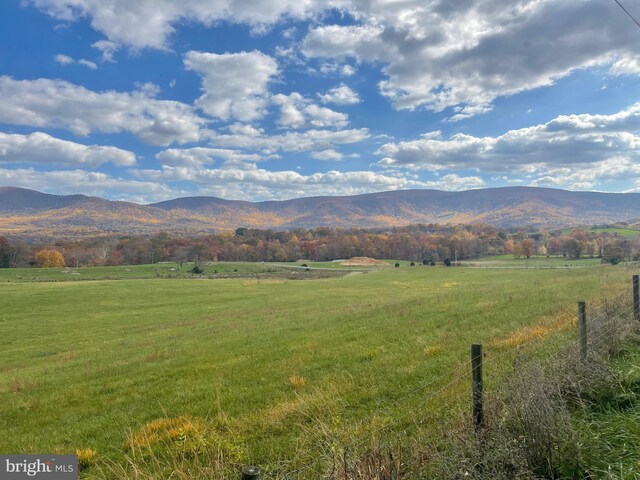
{"x":49,"y":259}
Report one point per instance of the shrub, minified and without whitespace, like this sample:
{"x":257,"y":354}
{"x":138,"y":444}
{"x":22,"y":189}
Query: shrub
{"x":197,"y":270}
{"x":447,"y":262}
{"x":49,"y":259}
{"x":397,"y":265}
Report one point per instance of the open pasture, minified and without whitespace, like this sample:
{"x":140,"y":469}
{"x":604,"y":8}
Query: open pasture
{"x":272,"y":367}
{"x":509,"y":261}
{"x":166,"y":270}
{"x":622,"y":231}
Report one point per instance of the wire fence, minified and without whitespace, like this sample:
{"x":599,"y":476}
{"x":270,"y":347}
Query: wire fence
{"x":608,"y":318}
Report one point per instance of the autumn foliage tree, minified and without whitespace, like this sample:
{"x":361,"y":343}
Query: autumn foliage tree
{"x":5,"y":251}
{"x":528,"y":248}
{"x":49,"y":259}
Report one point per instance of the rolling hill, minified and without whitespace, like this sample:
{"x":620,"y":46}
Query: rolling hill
{"x":30,"y":213}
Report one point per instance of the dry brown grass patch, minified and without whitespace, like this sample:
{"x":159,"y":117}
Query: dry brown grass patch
{"x":297,"y":381}
{"x":364,"y":261}
{"x":166,"y":429}
{"x":545,"y":327}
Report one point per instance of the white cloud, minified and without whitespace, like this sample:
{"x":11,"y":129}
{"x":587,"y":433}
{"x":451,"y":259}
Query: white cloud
{"x":612,"y":169}
{"x":347,"y":70}
{"x":200,"y":156}
{"x":437,"y":55}
{"x":63,"y":59}
{"x":87,"y":63}
{"x":297,"y":111}
{"x":342,"y":95}
{"x":626,"y":66}
{"x":235,"y":85}
{"x":333,"y":68}
{"x":570,"y":150}
{"x":250,"y":138}
{"x":329,"y":154}
{"x":88,"y":183}
{"x":42,"y":148}
{"x":67,"y":60}
{"x":454,"y":182}
{"x":252,"y":183}
{"x":108,"y":49}
{"x":60,"y":104}
{"x":434,"y":54}
{"x":149,"y":23}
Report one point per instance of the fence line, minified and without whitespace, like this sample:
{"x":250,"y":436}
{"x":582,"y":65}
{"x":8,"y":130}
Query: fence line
{"x":597,"y":321}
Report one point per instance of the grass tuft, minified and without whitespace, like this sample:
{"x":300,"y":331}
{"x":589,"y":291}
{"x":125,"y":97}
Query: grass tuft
{"x":297,"y":381}
{"x":86,"y":457}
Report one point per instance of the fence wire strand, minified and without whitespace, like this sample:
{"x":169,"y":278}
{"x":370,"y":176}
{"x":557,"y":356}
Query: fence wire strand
{"x":609,"y":311}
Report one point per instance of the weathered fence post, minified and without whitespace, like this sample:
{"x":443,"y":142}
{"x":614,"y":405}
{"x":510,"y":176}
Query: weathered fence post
{"x":476,"y":386}
{"x":250,"y":473}
{"x":636,"y":298}
{"x":582,"y":325}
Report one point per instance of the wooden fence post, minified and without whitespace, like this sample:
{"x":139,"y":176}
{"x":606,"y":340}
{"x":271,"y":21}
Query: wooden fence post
{"x":250,"y":473}
{"x":636,"y":298}
{"x":582,"y":325}
{"x":476,"y":386}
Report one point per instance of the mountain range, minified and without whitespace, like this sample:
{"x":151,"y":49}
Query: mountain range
{"x":26,"y":212}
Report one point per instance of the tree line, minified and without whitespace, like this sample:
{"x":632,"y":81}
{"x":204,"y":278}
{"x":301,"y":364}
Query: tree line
{"x":419,"y":243}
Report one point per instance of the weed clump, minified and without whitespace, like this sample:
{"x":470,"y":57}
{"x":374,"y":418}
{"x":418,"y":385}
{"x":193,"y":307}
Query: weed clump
{"x":297,"y":381}
{"x":86,"y":457}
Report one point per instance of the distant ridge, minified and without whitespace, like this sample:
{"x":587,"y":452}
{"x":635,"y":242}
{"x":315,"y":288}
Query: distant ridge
{"x":31,"y":213}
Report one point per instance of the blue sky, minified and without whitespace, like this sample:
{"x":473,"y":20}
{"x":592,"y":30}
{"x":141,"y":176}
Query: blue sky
{"x":277,"y":99}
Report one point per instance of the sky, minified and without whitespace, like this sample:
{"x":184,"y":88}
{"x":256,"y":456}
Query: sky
{"x":256,"y":100}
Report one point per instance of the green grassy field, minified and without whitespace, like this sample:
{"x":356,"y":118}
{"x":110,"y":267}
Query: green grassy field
{"x":624,"y":232}
{"x":274,"y":367}
{"x":609,"y":429}
{"x":158,"y":270}
{"x":172,"y":270}
{"x":507,"y":260}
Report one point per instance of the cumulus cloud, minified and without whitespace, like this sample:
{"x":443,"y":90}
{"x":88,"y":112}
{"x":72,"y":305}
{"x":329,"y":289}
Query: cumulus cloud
{"x":454,"y":182}
{"x":235,"y":85}
{"x":149,"y":23}
{"x":434,"y":55}
{"x":251,"y":138}
{"x":89,"y":183}
{"x":329,"y":154}
{"x":200,"y":156}
{"x":297,"y":111}
{"x":612,"y":169}
{"x":569,"y":150}
{"x":332,"y":68}
{"x":63,"y":59}
{"x":438,"y":56}
{"x":342,"y":95}
{"x":108,"y":49}
{"x":60,"y":104}
{"x":42,"y":148}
